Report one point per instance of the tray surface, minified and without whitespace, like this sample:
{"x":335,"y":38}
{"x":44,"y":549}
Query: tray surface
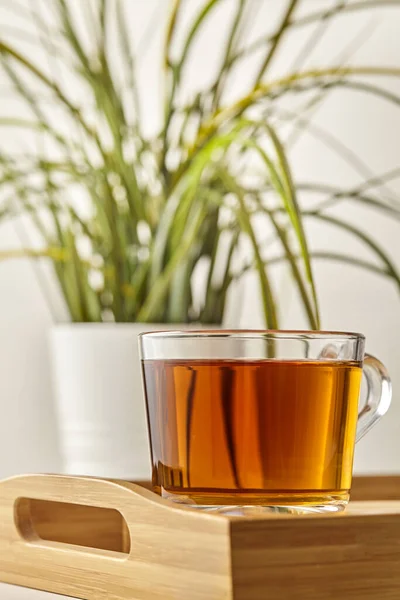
{"x":96,"y":539}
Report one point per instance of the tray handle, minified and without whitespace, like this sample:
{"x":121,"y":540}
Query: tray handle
{"x":136,"y":505}
{"x":175,"y":553}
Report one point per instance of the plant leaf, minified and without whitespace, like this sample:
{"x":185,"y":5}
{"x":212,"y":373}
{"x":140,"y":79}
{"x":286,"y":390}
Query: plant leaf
{"x":315,"y":17}
{"x":276,"y":38}
{"x":313,"y":321}
{"x":337,"y":195}
{"x":269,"y":306}
{"x":376,"y":249}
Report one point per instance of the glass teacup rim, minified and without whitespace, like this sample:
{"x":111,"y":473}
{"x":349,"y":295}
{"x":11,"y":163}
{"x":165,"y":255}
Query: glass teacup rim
{"x":256,"y":333}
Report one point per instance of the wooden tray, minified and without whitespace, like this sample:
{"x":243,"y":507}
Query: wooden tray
{"x":96,"y":539}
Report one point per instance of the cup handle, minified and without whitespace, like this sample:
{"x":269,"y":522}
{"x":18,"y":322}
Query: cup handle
{"x":379,"y":395}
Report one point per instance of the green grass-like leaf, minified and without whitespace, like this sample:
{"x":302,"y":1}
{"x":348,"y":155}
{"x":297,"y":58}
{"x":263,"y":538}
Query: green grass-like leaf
{"x":158,"y":207}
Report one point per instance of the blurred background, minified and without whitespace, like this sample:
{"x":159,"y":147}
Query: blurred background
{"x":324,"y":77}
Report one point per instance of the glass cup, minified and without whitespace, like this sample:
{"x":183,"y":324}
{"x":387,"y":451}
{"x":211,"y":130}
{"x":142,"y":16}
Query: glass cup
{"x":258,"y":418}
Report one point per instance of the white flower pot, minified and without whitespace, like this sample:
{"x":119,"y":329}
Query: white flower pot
{"x":100,"y":401}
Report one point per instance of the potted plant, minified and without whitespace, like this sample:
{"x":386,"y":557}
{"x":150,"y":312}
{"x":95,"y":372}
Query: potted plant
{"x":148,"y":232}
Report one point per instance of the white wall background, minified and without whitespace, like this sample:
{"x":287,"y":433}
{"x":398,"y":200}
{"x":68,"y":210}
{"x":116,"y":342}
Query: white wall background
{"x":350,"y":299}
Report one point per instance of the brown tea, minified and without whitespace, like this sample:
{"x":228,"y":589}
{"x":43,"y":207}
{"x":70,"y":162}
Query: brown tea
{"x":252,"y":432}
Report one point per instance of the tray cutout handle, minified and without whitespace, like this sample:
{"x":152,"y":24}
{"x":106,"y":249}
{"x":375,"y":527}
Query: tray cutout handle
{"x":41,"y":521}
{"x":58,"y":512}
{"x":176,"y":553}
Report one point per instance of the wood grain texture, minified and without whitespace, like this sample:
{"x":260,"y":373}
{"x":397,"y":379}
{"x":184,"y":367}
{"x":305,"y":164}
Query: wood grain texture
{"x":351,"y":558}
{"x":180,"y":554}
{"x":88,"y":526}
{"x":382,"y":487}
{"x":79,"y":525}
{"x":164,"y":561}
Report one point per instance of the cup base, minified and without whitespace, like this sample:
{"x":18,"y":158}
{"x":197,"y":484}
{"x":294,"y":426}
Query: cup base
{"x":258,"y":511}
{"x":257,"y":504}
